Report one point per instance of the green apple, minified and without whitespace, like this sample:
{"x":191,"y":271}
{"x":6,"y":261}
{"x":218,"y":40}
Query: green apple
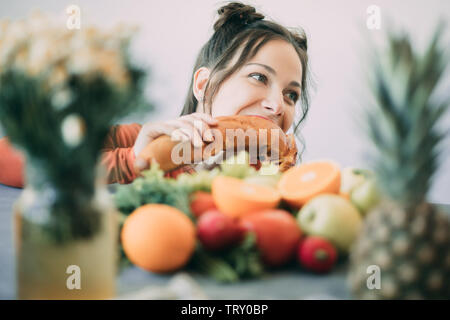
{"x":332,"y":217}
{"x":351,"y":178}
{"x":366,"y":196}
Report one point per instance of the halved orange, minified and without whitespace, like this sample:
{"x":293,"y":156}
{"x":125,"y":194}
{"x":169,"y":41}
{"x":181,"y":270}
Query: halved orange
{"x":235,"y":197}
{"x":301,"y":183}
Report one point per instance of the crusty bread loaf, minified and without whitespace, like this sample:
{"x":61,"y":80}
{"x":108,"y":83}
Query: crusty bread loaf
{"x":254,"y":134}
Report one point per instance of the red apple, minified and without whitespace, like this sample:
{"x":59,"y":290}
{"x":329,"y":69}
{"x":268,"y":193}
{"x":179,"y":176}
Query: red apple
{"x":201,"y":202}
{"x":217,"y":231}
{"x":317,"y":254}
{"x":277,"y":234}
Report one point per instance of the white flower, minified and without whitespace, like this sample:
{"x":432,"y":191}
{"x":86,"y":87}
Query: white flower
{"x":3,"y":29}
{"x":76,"y":42}
{"x":6,"y":50}
{"x":41,"y":48}
{"x":73,"y":130}
{"x":109,"y":63}
{"x":21,"y":58}
{"x":58,"y":76}
{"x":81,"y":62}
{"x":39,"y":23}
{"x":39,"y":55}
{"x":17,"y":31}
{"x":14,"y":37}
{"x":61,"y":99}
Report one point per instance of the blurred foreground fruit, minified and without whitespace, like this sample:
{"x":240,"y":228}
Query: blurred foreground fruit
{"x":201,"y":201}
{"x":235,"y":197}
{"x":277,"y":234}
{"x":301,"y":183}
{"x":218,"y":231}
{"x":332,"y":217}
{"x":158,"y":238}
{"x":316,"y":254}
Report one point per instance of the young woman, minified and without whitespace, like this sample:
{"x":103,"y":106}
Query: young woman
{"x":250,"y":66}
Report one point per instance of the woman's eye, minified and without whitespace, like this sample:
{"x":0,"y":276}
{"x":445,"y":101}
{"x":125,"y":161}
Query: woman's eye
{"x":293,"y":96}
{"x":258,"y":76}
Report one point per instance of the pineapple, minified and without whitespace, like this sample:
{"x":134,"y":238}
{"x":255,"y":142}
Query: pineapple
{"x":405,"y":236}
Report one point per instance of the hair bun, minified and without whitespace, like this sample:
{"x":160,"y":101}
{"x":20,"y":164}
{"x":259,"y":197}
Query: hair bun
{"x":237,"y":14}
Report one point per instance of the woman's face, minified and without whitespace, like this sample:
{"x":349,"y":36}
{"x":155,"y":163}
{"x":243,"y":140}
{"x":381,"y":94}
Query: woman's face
{"x":268,"y":85}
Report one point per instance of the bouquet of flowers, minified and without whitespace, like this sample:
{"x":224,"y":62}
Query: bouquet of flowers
{"x":60,"y":92}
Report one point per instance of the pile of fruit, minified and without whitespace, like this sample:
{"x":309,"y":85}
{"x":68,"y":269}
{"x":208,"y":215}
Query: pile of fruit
{"x":235,"y":222}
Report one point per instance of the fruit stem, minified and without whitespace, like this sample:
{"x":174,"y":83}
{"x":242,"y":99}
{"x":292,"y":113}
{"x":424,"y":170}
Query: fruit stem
{"x":321,"y":255}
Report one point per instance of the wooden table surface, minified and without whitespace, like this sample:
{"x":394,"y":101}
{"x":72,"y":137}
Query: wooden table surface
{"x":290,"y":283}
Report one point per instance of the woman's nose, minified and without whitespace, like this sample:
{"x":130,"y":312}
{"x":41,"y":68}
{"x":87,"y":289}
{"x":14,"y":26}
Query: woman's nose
{"x":274,"y":104}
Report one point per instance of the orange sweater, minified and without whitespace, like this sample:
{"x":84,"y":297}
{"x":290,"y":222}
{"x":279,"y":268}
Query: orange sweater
{"x":117,"y":157}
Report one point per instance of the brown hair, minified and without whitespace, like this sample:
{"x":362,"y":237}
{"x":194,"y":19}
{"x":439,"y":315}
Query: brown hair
{"x":239,"y":26}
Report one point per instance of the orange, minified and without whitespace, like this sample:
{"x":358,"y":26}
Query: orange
{"x":158,"y":238}
{"x":235,"y":197}
{"x":301,"y":183}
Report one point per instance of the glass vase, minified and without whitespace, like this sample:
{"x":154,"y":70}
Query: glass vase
{"x":66,"y":240}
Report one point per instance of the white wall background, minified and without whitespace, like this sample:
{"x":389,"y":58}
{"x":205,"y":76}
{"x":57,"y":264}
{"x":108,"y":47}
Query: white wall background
{"x":172,"y":33}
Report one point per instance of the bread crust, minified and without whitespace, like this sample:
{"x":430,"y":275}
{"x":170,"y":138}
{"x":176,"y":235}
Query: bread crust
{"x":262,"y":138}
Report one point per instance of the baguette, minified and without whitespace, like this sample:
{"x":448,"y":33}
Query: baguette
{"x":262,"y":138}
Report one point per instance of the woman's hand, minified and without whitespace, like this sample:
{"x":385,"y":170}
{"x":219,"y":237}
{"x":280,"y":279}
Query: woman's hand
{"x":193,"y":127}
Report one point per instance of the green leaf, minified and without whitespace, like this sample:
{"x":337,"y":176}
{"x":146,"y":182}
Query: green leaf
{"x":152,"y":188}
{"x":234,"y":264}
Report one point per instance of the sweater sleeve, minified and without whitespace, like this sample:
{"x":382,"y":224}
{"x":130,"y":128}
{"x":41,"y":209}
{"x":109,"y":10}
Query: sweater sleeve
{"x":118,"y":153}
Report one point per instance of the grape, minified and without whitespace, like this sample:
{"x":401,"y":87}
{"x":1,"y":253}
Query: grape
{"x":238,"y":166}
{"x":198,"y":181}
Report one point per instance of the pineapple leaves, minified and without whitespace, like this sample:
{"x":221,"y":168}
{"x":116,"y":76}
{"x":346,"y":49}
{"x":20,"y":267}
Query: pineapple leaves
{"x":402,"y":125}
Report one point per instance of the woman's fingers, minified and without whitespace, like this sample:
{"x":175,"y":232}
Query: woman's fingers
{"x":149,"y":132}
{"x":141,"y":164}
{"x":193,"y":127}
{"x":179,"y":135}
{"x":205,"y":117}
{"x":196,"y":126}
{"x":205,"y":121}
{"x":187,"y":128}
